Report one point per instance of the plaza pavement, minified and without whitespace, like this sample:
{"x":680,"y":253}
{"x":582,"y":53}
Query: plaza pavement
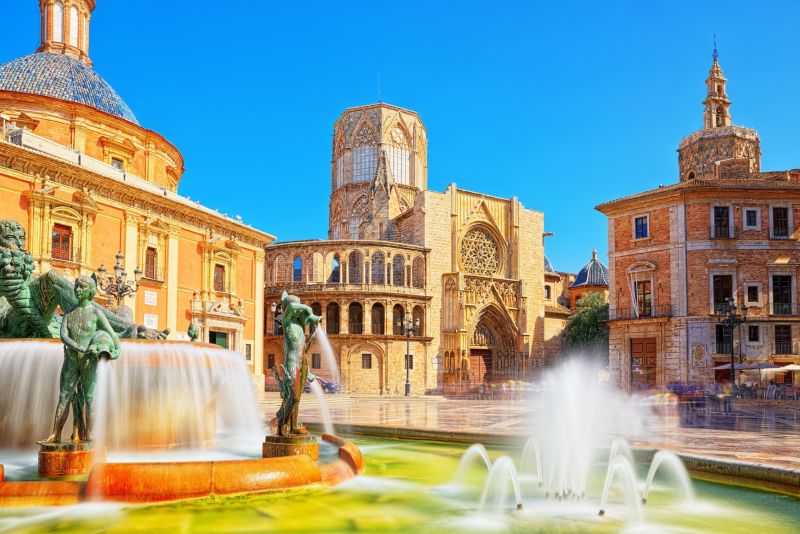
{"x":767,"y":434}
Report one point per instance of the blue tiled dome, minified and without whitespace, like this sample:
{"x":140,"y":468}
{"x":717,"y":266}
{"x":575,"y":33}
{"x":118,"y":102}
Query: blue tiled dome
{"x":548,"y":267}
{"x":593,"y":273}
{"x":65,"y":78}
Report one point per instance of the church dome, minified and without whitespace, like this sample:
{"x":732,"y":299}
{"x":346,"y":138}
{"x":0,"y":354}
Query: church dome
{"x":65,"y":78}
{"x":548,"y":267}
{"x":593,"y":273}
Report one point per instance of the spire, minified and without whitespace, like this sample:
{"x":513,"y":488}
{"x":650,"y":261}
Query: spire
{"x":716,"y":114}
{"x":594,"y":254}
{"x":65,"y":27}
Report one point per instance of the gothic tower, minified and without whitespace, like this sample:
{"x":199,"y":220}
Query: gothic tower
{"x":379,"y":164}
{"x":65,"y":27}
{"x":702,"y":154}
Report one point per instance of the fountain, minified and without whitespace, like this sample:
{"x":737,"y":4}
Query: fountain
{"x":473,"y":453}
{"x":502,"y":475}
{"x":129,"y":397}
{"x":669,"y":460}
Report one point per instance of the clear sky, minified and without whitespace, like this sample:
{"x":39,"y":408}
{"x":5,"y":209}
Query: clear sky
{"x":562,"y":104}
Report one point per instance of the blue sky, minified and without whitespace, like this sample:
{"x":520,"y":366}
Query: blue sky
{"x":562,"y":104}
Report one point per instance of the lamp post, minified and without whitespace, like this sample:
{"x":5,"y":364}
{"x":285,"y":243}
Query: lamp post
{"x":277,"y":327}
{"x":731,"y":320}
{"x":116,"y":285}
{"x":408,"y":327}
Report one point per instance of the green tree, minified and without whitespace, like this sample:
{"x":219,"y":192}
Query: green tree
{"x":586,"y":330}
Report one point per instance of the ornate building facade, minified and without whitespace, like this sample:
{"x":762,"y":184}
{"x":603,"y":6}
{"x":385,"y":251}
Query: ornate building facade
{"x":465,"y":268}
{"x":681,"y":254}
{"x":87,"y":181}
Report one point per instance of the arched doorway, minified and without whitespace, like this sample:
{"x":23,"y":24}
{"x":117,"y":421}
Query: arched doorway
{"x":492,"y":352}
{"x":365,"y":369}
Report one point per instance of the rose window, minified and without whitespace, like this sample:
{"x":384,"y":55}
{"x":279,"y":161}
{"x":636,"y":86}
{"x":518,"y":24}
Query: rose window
{"x":480,"y":253}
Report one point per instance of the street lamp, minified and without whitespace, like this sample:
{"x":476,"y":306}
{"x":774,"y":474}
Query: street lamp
{"x":408,"y":327}
{"x":277,"y":327}
{"x":116,"y":285}
{"x":731,"y":320}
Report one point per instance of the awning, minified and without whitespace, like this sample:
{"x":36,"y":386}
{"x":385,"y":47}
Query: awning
{"x":747,"y":366}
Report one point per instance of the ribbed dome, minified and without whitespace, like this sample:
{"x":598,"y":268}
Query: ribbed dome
{"x":65,"y":78}
{"x":593,"y":273}
{"x":548,"y":267}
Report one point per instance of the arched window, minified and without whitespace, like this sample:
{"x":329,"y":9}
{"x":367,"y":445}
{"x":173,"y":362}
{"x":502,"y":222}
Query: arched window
{"x":150,"y":260}
{"x":316,"y":309}
{"x":58,"y":22}
{"x":419,"y":321}
{"x":378,"y":319}
{"x":332,"y":318}
{"x":365,"y":154}
{"x":398,"y":155}
{"x":355,"y":318}
{"x":547,"y":294}
{"x":378,"y":268}
{"x":297,"y":269}
{"x":398,"y":314}
{"x":358,"y":215}
{"x":335,"y":276}
{"x":398,"y":270}
{"x":419,"y":272}
{"x":280,"y":270}
{"x":720,"y":116}
{"x":354,"y":267}
{"x":73,"y":26}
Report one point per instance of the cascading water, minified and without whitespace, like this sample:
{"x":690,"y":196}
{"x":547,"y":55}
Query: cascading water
{"x":495,"y":491}
{"x":473,"y":453}
{"x":671,"y":462}
{"x":160,"y":395}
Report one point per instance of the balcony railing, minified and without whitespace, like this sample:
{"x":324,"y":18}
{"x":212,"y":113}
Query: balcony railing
{"x":648,"y":312}
{"x":724,"y":347}
{"x":721,"y":308}
{"x":779,"y":232}
{"x":783,"y":347}
{"x":782,"y":308}
{"x":275,"y":288}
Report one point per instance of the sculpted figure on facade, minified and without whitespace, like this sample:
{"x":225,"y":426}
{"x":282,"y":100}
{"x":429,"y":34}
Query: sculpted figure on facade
{"x":28,"y":302}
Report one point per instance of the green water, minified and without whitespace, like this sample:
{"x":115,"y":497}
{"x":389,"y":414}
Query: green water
{"x":399,"y":493}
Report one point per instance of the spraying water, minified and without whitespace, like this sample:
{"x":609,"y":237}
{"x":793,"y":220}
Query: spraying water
{"x":473,"y":453}
{"x":622,"y":469}
{"x":158,"y":395}
{"x":495,"y":490}
{"x":327,"y":354}
{"x":671,"y":462}
{"x":327,"y":421}
{"x":531,"y":459}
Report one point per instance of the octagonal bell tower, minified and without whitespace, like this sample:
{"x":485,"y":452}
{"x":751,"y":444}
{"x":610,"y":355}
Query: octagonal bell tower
{"x":379,"y":164}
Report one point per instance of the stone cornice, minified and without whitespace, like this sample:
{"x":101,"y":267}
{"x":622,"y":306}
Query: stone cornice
{"x":30,"y":162}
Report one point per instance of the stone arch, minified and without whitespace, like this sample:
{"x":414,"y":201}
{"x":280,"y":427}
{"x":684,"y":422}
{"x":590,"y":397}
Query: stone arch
{"x":361,"y":379}
{"x":378,"y":315}
{"x":358,"y":214}
{"x":492,"y":347}
{"x":297,"y":269}
{"x":398,"y":270}
{"x":279,"y":269}
{"x":378,"y":268}
{"x":418,"y":271}
{"x":332,"y":313}
{"x":419,"y":319}
{"x":355,"y":318}
{"x":335,"y":276}
{"x":398,"y":315}
{"x":355,"y":267}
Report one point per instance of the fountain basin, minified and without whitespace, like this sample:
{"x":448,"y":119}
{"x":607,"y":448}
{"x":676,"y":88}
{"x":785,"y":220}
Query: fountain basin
{"x":138,"y":482}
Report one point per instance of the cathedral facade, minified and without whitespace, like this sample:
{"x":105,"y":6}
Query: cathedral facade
{"x":464,"y":270}
{"x":87,"y":181}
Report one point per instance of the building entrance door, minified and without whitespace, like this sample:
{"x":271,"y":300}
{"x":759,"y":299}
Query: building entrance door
{"x":218,"y":338}
{"x":480,"y":366}
{"x":643,"y":363}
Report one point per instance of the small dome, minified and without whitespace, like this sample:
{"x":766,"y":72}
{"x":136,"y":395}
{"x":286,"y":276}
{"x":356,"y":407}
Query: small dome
{"x":593,"y":273}
{"x":65,"y":78}
{"x":548,"y":267}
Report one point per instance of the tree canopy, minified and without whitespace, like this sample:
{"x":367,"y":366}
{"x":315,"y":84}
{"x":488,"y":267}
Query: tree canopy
{"x":586,"y":330}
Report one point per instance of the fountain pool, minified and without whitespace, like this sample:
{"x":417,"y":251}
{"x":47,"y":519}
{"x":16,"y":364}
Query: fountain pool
{"x":407,"y":487}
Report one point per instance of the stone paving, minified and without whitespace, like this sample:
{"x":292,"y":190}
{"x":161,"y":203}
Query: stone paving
{"x":765,"y":434}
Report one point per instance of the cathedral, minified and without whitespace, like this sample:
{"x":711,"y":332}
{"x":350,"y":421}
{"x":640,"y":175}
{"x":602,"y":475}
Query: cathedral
{"x":455,"y":276}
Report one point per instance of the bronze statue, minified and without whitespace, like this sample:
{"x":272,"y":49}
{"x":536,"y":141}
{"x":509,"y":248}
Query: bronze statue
{"x":87,"y":336}
{"x":294,"y":318}
{"x":28,"y":302}
{"x":193,"y":332}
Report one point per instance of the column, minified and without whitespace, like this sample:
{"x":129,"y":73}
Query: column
{"x":172,"y":282}
{"x":258,"y":342}
{"x":129,"y":248}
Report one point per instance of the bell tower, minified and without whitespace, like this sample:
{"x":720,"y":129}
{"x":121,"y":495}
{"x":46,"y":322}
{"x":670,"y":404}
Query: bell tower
{"x":716,"y":114}
{"x":65,"y":27}
{"x":720,"y":150}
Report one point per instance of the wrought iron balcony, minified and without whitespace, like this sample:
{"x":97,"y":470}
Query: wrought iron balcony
{"x":724,"y":347}
{"x":723,"y":232}
{"x":782,"y":308}
{"x":643,"y":312}
{"x":784,"y":347}
{"x":780,"y":232}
